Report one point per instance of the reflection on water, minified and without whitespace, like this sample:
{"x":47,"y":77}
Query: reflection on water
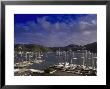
{"x":52,"y":58}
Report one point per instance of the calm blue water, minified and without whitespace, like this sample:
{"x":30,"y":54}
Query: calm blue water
{"x":51,"y":59}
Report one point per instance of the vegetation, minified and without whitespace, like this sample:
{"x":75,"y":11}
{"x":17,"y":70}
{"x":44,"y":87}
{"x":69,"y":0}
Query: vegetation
{"x":33,"y":47}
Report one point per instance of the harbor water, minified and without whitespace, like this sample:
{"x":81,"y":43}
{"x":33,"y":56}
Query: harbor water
{"x":52,"y":58}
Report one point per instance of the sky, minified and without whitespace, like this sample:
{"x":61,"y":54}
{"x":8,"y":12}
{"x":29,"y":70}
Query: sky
{"x":55,"y":30}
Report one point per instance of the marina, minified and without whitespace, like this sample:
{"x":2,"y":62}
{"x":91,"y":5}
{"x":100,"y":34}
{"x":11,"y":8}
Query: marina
{"x":55,"y":44}
{"x":59,"y":63}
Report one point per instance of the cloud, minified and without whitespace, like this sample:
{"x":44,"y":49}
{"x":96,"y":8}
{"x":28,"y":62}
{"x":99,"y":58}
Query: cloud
{"x":94,"y":22}
{"x":61,"y":32}
{"x":86,"y":33}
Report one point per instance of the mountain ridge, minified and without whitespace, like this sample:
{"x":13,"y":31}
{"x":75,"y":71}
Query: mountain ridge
{"x":33,"y":47}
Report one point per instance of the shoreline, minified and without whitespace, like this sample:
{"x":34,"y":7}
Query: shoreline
{"x":55,"y":70}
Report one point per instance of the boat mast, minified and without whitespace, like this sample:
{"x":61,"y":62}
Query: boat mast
{"x":26,"y":56}
{"x":92,"y":61}
{"x":83,"y":59}
{"x":72,"y":58}
{"x":59,"y":55}
{"x":65,"y":57}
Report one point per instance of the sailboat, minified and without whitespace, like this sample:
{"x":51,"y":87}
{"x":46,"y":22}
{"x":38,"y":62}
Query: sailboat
{"x":71,"y":63}
{"x":93,"y":62}
{"x":38,"y":57}
{"x":84,"y":56}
